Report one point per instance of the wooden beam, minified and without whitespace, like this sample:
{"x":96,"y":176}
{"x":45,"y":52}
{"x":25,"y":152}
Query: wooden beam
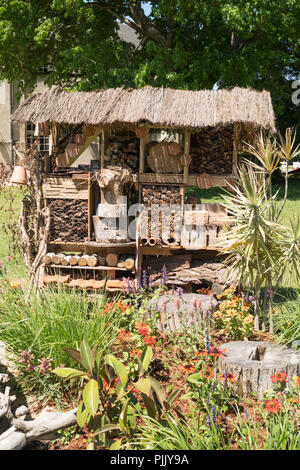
{"x":143,"y":143}
{"x":104,"y":145}
{"x":89,"y":207}
{"x":187,"y":147}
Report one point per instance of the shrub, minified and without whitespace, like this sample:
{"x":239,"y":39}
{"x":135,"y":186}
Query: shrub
{"x":234,"y":315}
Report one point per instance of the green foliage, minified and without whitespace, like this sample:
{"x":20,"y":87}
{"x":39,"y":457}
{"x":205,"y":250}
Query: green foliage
{"x":109,"y":406}
{"x":183,"y":44}
{"x":181,"y":433}
{"x":42,"y":325}
{"x":286,"y":321}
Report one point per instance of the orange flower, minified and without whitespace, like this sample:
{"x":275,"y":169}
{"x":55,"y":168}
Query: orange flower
{"x":272,"y":406}
{"x":123,"y":335}
{"x":279,"y":377}
{"x":14,"y":285}
{"x":135,"y":353}
{"x":188,"y":368}
{"x":216,"y":352}
{"x":142,"y":328}
{"x":149,"y":340}
{"x":208,"y":373}
{"x":228,"y":377}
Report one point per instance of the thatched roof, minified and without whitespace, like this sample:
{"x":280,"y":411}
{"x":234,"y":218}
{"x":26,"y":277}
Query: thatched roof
{"x":157,"y":106}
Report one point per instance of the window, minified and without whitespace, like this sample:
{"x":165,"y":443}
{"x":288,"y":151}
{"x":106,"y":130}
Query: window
{"x":43,"y":142}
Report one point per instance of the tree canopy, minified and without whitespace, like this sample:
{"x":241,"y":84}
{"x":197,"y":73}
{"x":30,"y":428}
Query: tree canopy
{"x":189,"y":44}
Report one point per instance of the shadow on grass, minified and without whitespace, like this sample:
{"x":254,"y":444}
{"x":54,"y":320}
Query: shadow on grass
{"x":287,"y":294}
{"x":293,"y":191}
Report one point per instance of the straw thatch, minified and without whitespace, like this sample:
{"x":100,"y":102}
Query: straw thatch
{"x":156,"y":106}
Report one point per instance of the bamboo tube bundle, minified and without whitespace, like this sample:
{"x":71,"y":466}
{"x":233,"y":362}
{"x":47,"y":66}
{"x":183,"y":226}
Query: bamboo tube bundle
{"x":153,"y":241}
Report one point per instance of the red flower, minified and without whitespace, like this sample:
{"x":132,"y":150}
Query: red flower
{"x":272,"y":406}
{"x":279,"y":377}
{"x":135,"y":353}
{"x":143,"y":328}
{"x":123,"y":336}
{"x":149,"y":340}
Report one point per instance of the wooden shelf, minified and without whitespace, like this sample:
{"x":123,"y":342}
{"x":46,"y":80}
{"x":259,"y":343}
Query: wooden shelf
{"x":110,"y":245}
{"x":94,"y":268}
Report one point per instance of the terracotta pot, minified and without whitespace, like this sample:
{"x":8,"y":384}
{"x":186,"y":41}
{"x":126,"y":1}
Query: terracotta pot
{"x":19,"y":175}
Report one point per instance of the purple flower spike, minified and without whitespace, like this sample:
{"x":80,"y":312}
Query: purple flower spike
{"x":145,"y":278}
{"x":164,"y":273}
{"x":214,"y":415}
{"x":207,"y":345}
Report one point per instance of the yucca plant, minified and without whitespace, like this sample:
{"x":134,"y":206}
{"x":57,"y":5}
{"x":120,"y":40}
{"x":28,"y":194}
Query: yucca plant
{"x":250,"y":242}
{"x":260,"y":250}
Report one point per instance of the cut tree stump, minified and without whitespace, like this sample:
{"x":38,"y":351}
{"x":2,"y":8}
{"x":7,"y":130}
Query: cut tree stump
{"x":253,"y":363}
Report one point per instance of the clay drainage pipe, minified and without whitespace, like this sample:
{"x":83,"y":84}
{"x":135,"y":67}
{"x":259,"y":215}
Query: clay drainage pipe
{"x":152,"y":241}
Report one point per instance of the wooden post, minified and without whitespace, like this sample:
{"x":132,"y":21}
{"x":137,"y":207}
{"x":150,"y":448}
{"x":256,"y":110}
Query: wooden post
{"x":187,"y":147}
{"x":143,"y":142}
{"x":89,"y":207}
{"x":103,"y":146}
{"x":236,"y":132}
{"x":138,"y":253}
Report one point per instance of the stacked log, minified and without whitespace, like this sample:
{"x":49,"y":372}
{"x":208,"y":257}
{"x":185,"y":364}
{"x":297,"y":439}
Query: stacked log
{"x":124,"y":154}
{"x":211,"y":151}
{"x":161,"y":195}
{"x":69,"y":220}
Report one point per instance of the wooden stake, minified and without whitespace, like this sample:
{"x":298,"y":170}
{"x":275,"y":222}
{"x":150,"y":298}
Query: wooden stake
{"x":187,"y":147}
{"x":143,"y":143}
